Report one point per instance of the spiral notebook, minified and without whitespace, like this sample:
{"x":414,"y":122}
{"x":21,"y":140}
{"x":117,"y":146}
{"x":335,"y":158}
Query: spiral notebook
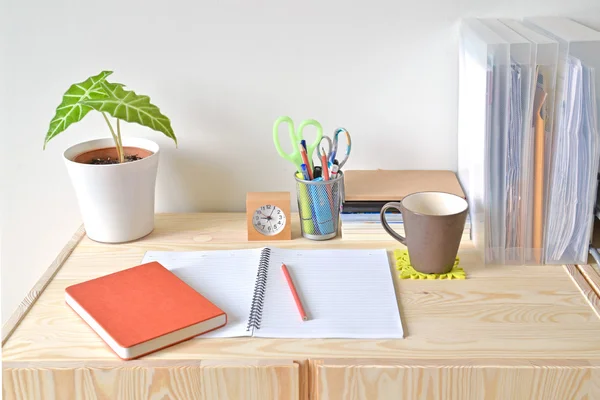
{"x":346,"y":293}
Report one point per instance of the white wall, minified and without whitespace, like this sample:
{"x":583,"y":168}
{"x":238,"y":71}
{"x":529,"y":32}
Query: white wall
{"x":223,"y":71}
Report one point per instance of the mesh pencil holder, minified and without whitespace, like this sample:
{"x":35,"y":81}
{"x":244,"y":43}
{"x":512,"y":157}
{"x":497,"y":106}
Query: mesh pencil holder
{"x":319,"y":205}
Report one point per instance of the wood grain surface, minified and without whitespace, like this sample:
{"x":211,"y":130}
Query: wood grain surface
{"x":504,"y":332}
{"x":14,"y":320}
{"x":130,"y":381}
{"x":584,"y":286}
{"x":499,"y":311}
{"x":353,"y":379}
{"x":592,"y":276}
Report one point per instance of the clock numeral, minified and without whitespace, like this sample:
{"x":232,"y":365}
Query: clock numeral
{"x":280,"y":217}
{"x":268,"y":207}
{"x":278,"y":211}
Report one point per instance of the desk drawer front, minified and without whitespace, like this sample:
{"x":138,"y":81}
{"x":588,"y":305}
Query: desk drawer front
{"x":412,"y":382}
{"x":152,"y":382}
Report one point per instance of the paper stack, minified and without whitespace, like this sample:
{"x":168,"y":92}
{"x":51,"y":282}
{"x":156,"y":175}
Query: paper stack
{"x":365,"y":193}
{"x":367,"y":226}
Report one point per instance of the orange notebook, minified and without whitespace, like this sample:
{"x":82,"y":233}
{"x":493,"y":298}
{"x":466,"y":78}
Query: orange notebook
{"x":143,"y":309}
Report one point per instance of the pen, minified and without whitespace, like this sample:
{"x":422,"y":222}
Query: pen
{"x":288,"y":278}
{"x":303,"y":146}
{"x":305,"y":172}
{"x":306,"y":161}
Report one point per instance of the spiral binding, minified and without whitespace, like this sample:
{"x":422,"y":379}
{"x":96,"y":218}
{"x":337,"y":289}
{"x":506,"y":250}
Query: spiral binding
{"x":259,"y":291}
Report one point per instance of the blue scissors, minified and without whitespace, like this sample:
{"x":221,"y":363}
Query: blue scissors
{"x":296,"y":136}
{"x":334,"y":147}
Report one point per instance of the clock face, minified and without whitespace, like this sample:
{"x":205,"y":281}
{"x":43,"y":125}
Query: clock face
{"x":268,"y":220}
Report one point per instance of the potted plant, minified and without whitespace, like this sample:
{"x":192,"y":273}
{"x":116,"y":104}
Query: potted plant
{"x":114,"y":179}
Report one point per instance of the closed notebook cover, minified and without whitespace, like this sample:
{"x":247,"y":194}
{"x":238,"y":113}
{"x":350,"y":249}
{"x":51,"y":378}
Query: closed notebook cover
{"x":393,"y":185}
{"x":142,"y":303}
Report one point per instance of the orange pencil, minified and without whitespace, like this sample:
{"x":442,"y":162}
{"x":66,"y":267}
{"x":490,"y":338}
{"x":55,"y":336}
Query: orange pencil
{"x":306,"y":161}
{"x":324,"y":165}
{"x":288,"y":278}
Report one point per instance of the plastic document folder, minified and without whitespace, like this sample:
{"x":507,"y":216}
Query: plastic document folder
{"x":544,"y":55}
{"x":483,"y":65}
{"x":519,"y":143}
{"x":528,"y":131}
{"x":496,"y":140}
{"x":574,"y":152}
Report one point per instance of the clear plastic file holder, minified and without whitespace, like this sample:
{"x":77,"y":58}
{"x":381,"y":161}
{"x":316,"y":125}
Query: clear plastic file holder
{"x":519,"y":143}
{"x":575,"y":147}
{"x":544,"y":56}
{"x":482,"y":126}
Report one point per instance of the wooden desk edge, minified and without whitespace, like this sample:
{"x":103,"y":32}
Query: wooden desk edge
{"x":313,"y":362}
{"x":585,"y":284}
{"x":592,"y":277}
{"x":21,"y":311}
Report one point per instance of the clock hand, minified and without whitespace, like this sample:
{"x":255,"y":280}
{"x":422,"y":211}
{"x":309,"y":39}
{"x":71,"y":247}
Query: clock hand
{"x":272,"y":211}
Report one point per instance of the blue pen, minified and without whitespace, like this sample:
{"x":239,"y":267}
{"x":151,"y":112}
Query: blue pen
{"x":304,"y":172}
{"x":303,"y":143}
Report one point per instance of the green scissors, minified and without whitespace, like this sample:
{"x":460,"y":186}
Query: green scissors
{"x":296,"y":136}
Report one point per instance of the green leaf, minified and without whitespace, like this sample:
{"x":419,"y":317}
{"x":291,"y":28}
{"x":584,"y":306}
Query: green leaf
{"x":71,"y":109}
{"x":131,"y":107}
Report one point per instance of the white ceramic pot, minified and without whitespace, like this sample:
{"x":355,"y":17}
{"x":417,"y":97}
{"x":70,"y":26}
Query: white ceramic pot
{"x":116,"y":201}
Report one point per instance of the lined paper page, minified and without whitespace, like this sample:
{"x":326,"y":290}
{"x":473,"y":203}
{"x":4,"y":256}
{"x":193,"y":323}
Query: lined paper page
{"x":345,"y":293}
{"x":226,"y":278}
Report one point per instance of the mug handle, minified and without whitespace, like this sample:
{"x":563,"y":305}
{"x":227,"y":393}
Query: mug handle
{"x":386,"y":226}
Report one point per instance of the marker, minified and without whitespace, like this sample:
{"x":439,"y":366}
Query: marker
{"x":318,"y":172}
{"x":334,"y":171}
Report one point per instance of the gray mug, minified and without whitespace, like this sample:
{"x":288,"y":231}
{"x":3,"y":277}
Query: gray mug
{"x":433,"y":227}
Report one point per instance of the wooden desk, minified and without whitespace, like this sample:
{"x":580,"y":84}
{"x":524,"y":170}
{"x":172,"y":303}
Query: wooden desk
{"x":504,"y":333}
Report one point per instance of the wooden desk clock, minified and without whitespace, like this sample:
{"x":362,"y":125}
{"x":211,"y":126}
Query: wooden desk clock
{"x":268,"y":216}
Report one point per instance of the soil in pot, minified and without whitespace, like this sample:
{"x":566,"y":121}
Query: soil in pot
{"x":108,"y":155}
